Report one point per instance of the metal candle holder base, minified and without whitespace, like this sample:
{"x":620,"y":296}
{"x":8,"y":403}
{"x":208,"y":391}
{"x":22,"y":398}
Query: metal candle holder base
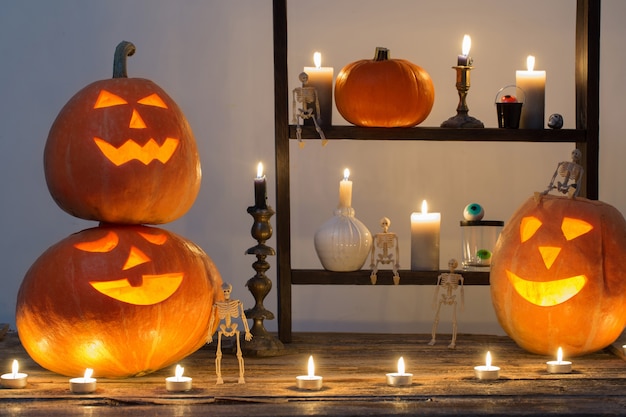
{"x":263,"y":343}
{"x":462,"y":118}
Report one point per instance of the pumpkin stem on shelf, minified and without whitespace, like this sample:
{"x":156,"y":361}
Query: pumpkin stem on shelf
{"x":124,"y":49}
{"x":381,"y":54}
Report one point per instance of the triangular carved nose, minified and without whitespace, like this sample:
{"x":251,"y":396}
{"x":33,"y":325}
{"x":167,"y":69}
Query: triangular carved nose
{"x":549,"y":254}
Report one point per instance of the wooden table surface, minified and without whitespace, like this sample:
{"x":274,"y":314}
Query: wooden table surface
{"x":353,"y":367}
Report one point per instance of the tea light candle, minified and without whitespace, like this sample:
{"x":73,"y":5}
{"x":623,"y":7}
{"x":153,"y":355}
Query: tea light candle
{"x":84,"y":385}
{"x":345,"y":190}
{"x":15,"y":379}
{"x":178,"y":382}
{"x":310,"y":381}
{"x":260,"y":188}
{"x":465,"y":59}
{"x":321,"y":78}
{"x":425,"y":230}
{"x":559,"y":366}
{"x":400,"y":378}
{"x":487,"y":371}
{"x":533,"y":83}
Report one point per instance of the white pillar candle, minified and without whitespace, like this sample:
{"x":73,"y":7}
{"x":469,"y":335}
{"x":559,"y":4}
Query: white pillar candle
{"x":345,"y":190}
{"x":321,"y":78}
{"x":533,"y":83}
{"x":425,"y":230}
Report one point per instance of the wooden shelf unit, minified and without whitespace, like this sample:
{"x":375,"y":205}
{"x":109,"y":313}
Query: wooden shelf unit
{"x":585,"y":136}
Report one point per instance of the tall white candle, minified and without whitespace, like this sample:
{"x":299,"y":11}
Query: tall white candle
{"x":533,"y":83}
{"x":321,"y":78}
{"x":425,"y":230}
{"x":345,"y":190}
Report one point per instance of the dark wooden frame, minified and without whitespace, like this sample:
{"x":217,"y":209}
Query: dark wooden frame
{"x":585,"y":136}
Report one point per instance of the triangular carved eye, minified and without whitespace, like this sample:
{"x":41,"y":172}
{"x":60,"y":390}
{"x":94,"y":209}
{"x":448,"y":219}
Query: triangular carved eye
{"x":153,"y":100}
{"x":106,"y":99}
{"x":528,"y":227}
{"x":572,"y":228}
{"x":156,"y":239}
{"x":105,"y":244}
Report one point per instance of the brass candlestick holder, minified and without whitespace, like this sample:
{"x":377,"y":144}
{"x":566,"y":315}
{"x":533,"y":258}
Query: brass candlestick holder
{"x":462,"y":118}
{"x":263,"y":343}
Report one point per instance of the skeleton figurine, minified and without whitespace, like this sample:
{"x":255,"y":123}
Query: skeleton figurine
{"x":570,"y":171}
{"x":306,"y":96}
{"x":227,"y":310}
{"x":449,"y":282}
{"x":385,"y":241}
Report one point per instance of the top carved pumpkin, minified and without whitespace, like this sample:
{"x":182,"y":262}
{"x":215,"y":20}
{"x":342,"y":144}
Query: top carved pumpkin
{"x":121,"y":151}
{"x":556,"y":275}
{"x":384,"y":92}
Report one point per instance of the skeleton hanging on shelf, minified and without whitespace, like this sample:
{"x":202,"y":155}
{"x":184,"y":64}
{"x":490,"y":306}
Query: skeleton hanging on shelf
{"x":306,"y":96}
{"x":449,"y":282}
{"x":569,"y":171}
{"x":385,"y":241}
{"x":227,"y":310}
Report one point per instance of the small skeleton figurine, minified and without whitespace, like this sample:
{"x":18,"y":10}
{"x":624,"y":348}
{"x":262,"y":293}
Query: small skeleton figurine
{"x":449,"y":282}
{"x":570,"y":171}
{"x":385,"y":241}
{"x":305,"y":96}
{"x":227,"y":310}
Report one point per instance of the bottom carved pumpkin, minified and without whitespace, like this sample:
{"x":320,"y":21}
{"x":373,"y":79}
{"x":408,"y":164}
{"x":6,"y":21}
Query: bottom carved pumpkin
{"x":556,"y":275}
{"x":122,"y":300}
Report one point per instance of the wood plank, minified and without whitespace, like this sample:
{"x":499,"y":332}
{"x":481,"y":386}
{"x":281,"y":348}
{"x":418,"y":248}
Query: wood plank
{"x":354,"y":368}
{"x":384,"y":277}
{"x":442,"y":134}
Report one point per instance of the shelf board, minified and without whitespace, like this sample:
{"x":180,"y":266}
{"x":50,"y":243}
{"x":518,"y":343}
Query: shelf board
{"x":362,"y":277}
{"x":443,"y":134}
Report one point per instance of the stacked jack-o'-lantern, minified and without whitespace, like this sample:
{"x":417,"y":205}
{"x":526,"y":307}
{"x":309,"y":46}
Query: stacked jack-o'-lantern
{"x":122,"y":298}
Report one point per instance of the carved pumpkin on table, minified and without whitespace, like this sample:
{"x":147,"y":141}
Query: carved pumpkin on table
{"x":121,"y":151}
{"x":123,"y":300}
{"x":556,"y":275}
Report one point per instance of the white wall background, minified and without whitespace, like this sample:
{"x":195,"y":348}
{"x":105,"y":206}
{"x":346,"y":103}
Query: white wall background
{"x":215,"y":59}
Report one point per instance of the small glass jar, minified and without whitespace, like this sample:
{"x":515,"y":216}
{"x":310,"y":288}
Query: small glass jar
{"x":479,"y":238}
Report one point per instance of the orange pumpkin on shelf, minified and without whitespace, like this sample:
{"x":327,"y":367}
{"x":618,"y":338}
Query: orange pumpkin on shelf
{"x":121,"y":151}
{"x":556,"y":275}
{"x":122,"y":300}
{"x":384,"y":92}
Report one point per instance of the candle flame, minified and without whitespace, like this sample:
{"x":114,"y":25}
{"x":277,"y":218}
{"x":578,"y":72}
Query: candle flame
{"x":530,"y":63}
{"x":179,"y":372}
{"x":88,"y":374}
{"x":311,"y":366}
{"x":259,"y":170}
{"x":559,"y":355}
{"x":488,"y":360}
{"x":346,"y":174}
{"x":15,"y":368}
{"x":317,"y":60}
{"x":467,"y":44}
{"x":401,"y":365}
{"x":424,"y":207}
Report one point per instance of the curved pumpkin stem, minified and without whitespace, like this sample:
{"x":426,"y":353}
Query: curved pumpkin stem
{"x":381,"y":54}
{"x":124,"y":49}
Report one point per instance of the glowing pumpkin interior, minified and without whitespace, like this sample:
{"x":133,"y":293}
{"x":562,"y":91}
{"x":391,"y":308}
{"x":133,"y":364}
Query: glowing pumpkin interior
{"x":549,"y":293}
{"x":152,"y":290}
{"x":131,"y":150}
